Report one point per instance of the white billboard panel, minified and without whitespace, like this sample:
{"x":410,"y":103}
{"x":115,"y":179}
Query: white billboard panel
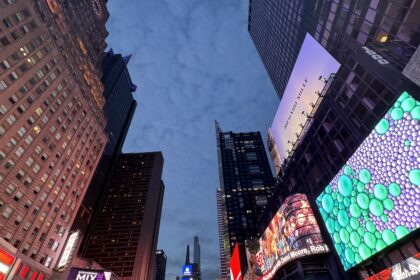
{"x":312,"y":69}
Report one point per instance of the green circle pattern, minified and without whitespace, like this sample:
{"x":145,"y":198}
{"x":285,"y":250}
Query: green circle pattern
{"x":350,"y":204}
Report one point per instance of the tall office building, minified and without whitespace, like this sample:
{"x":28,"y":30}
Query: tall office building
{"x":197,"y":251}
{"x":160,"y":265}
{"x":376,"y":44}
{"x":124,"y":234}
{"x":246,"y":184}
{"x":223,"y":234}
{"x":119,"y":110}
{"x":51,"y":124}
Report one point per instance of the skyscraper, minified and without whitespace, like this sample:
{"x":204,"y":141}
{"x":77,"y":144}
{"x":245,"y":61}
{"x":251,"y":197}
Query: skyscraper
{"x":160,"y":265}
{"x":246,"y":185}
{"x":124,"y":235}
{"x":51,"y":123}
{"x":279,"y":34}
{"x":376,"y":46}
{"x":190,"y":270}
{"x":223,"y":234}
{"x":119,"y":109}
{"x":197,"y":251}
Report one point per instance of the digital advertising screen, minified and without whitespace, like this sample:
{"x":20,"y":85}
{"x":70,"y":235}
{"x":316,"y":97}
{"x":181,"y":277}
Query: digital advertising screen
{"x":408,"y":269}
{"x":293,"y":233}
{"x":85,"y":274}
{"x":374,"y":199}
{"x":311,"y":71}
{"x":187,"y":270}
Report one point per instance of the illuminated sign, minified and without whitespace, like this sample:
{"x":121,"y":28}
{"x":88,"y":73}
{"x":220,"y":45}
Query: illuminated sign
{"x":375,"y":56}
{"x":87,"y":274}
{"x":6,"y":263}
{"x":293,"y":233}
{"x":187,"y":270}
{"x":68,"y":250}
{"x":408,"y":269}
{"x":312,"y":69}
{"x":373,"y":201}
{"x":235,"y":265}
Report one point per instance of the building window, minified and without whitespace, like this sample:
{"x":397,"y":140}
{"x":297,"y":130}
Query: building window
{"x":9,"y":164}
{"x":19,"y":151}
{"x":18,"y":220}
{"x":5,"y":41}
{"x":10,"y":189}
{"x":48,"y":261}
{"x":6,"y":213}
{"x":18,"y":196}
{"x":5,"y":64}
{"x":251,"y":156}
{"x":3,"y":85}
{"x":254,"y":169}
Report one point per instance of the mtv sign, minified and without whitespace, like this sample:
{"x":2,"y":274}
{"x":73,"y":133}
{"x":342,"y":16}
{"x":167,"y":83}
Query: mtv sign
{"x":86,"y":275}
{"x":78,"y":274}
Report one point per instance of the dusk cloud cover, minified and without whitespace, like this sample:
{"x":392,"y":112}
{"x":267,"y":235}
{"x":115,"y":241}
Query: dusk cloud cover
{"x":193,"y":62}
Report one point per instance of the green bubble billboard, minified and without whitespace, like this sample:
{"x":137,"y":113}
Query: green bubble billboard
{"x":374,"y":200}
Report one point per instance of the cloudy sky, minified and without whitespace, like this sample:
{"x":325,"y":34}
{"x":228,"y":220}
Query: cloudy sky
{"x":193,"y":62}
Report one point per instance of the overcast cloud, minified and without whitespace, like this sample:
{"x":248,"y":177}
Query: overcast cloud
{"x":193,"y":62}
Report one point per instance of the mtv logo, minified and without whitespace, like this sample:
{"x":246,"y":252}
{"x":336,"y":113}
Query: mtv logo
{"x":85,"y":275}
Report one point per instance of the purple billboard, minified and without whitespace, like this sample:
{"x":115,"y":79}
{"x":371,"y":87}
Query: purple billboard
{"x":88,"y":274}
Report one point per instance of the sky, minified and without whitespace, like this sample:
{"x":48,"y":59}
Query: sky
{"x":193,"y":62}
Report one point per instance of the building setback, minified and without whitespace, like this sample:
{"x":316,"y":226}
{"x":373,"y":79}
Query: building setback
{"x":376,"y":43}
{"x":124,"y":234}
{"x":160,"y":265}
{"x":246,"y":185}
{"x":51,"y":123}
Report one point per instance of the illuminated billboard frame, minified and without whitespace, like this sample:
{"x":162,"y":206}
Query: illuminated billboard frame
{"x":313,"y":67}
{"x":293,"y":233}
{"x":374,"y":200}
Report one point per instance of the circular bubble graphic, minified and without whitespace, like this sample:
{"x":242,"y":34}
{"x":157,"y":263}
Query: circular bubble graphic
{"x":374,"y":200}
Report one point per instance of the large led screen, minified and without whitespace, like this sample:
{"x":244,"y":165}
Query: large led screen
{"x":374,"y":199}
{"x":311,"y":71}
{"x":408,"y":269}
{"x":292,"y":233}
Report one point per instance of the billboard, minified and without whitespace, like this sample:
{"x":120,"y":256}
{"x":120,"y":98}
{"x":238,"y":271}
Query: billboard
{"x":68,"y":251}
{"x":235,"y":265}
{"x":293,"y":233}
{"x":374,"y":200}
{"x":88,"y":274}
{"x":408,"y":269}
{"x":313,"y":67}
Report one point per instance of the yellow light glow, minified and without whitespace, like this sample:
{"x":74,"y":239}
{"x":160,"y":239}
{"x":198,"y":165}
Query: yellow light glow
{"x":383,"y":38}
